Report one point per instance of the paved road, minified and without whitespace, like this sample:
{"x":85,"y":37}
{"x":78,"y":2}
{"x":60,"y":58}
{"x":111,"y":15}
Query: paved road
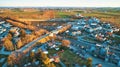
{"x":4,"y":52}
{"x":81,"y":42}
{"x":62,"y":64}
{"x":4,"y":65}
{"x":36,"y":40}
{"x":116,"y":35}
{"x":31,"y":43}
{"x":45,"y":20}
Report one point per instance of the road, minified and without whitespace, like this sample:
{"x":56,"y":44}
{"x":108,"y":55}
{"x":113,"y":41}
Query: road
{"x":25,"y":49}
{"x":5,"y":65}
{"x":4,"y":52}
{"x":46,"y":20}
{"x":31,"y":43}
{"x":81,"y":42}
{"x":36,"y":40}
{"x":62,"y":64}
{"x":116,"y":35}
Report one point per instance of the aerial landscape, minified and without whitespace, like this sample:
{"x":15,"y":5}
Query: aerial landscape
{"x":52,"y":33}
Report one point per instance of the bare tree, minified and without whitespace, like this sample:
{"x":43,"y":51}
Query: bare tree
{"x":66,"y":43}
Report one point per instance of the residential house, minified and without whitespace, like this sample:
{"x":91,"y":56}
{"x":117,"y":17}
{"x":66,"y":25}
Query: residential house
{"x":76,"y":33}
{"x":75,"y":27}
{"x":89,"y":30}
{"x":2,"y":22}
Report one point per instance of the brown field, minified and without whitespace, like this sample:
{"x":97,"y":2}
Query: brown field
{"x":38,"y":15}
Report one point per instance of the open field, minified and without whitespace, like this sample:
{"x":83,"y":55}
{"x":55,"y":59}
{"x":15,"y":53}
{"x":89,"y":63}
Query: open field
{"x":104,"y":14}
{"x":69,"y":58}
{"x":21,"y":14}
{"x":111,"y":15}
{"x":113,"y":18}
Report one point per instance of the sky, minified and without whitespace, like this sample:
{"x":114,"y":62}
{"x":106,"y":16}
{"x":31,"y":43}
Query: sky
{"x":59,"y":3}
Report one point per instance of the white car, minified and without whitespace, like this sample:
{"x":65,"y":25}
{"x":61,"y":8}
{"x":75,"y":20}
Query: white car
{"x":4,"y":29}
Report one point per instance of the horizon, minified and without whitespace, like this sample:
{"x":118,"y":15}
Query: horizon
{"x":62,"y":3}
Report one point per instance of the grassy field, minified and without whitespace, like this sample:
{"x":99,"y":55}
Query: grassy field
{"x":111,"y":15}
{"x":64,"y":14}
{"x":68,"y":58}
{"x":29,"y":15}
